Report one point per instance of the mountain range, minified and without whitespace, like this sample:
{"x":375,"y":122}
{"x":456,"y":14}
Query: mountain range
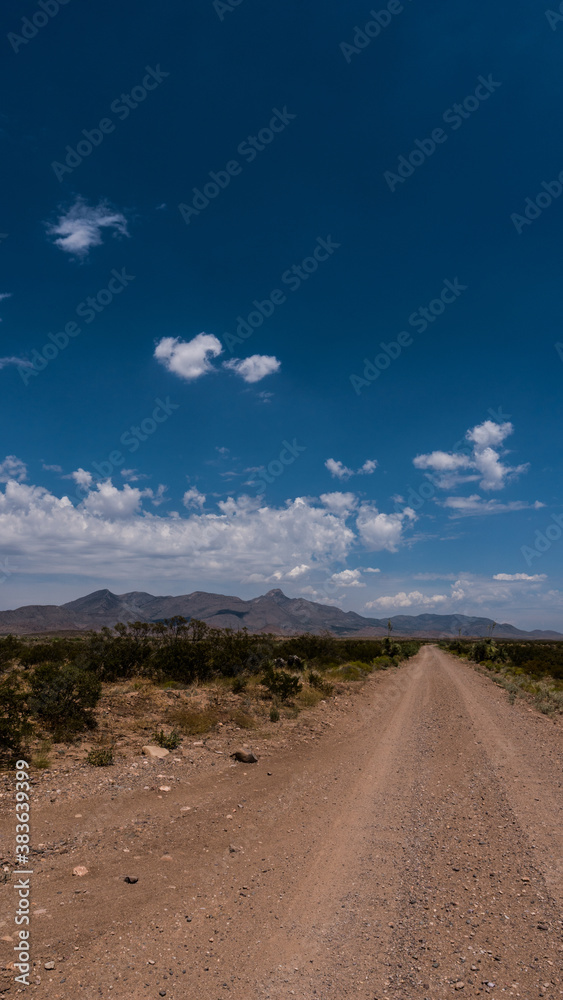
{"x":272,"y":612}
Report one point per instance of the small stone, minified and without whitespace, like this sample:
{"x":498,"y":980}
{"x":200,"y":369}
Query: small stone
{"x":162,"y":993}
{"x":49,"y":965}
{"x":185,"y":809}
{"x":150,"y":961}
{"x":164,"y":788}
{"x":198,"y":743}
{"x":460,"y":985}
{"x":543,"y":927}
{"x":80,"y":870}
{"x":131,"y":879}
{"x":151,"y":751}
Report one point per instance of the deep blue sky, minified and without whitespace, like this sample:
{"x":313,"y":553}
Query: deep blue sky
{"x":491,"y":356}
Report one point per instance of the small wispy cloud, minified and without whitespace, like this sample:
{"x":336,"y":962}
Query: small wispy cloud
{"x":520,"y":577}
{"x":340,"y":471}
{"x":81,"y":227}
{"x":52,"y":468}
{"x":12,"y":468}
{"x":475,"y":505}
{"x":254,"y":368}
{"x":12,"y":360}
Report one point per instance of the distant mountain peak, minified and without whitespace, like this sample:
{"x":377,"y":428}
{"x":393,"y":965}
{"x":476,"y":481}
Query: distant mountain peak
{"x":271,"y":612}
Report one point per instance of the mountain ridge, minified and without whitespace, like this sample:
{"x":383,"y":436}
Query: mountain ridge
{"x":270,"y":612}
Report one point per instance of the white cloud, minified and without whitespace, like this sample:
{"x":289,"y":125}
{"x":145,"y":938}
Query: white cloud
{"x":341,"y":471}
{"x":82,"y":477}
{"x":382,"y":531}
{"x":188,"y":359}
{"x":339,"y":503}
{"x":110,"y":535}
{"x":12,"y":468}
{"x":441,"y":461}
{"x":108,"y":502}
{"x":52,"y":468}
{"x":4,"y":362}
{"x":370,"y":569}
{"x":348,"y":578}
{"x":519,"y":577}
{"x":337,"y":469}
{"x":474,"y":505}
{"x":193,"y":498}
{"x":483,"y":460}
{"x":404,"y":600}
{"x":297,"y":571}
{"x":254,"y":368}
{"x":81,"y":226}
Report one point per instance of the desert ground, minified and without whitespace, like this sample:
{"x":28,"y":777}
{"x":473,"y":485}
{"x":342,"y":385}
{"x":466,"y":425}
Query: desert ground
{"x":399,"y":843}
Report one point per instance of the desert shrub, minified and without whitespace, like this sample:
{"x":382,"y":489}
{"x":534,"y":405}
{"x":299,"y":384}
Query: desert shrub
{"x":10,"y":649}
{"x":274,"y":714}
{"x":239,"y":684}
{"x":62,"y":697}
{"x":52,"y":651}
{"x":281,"y":683}
{"x":193,"y":722}
{"x":170,"y":741}
{"x":100,"y":757}
{"x":243,"y":720}
{"x":41,"y":758}
{"x":14,"y":725}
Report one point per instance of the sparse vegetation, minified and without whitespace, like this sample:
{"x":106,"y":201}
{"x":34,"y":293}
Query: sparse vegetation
{"x":170,"y":741}
{"x":532,"y":669}
{"x":100,"y":757}
{"x":180,"y":678}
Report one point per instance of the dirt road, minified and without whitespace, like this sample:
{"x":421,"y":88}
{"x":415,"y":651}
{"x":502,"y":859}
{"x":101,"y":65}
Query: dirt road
{"x":411,"y":848}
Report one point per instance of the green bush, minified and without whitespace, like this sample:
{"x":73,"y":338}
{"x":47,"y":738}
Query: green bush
{"x":14,"y":726}
{"x":170,"y":741}
{"x":100,"y":757}
{"x":239,"y":684}
{"x":274,"y":714}
{"x":62,"y":698}
{"x":281,"y":683}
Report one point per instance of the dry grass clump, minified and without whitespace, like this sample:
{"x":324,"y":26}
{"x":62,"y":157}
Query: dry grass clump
{"x":193,"y":721}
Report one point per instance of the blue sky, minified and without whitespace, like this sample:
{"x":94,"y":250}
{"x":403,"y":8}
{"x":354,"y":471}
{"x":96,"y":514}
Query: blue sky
{"x":268,"y":275}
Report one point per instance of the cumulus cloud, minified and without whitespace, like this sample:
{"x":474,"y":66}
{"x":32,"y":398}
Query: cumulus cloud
{"x":254,"y":368}
{"x":348,"y":578}
{"x":339,"y":503}
{"x":111,"y":534}
{"x":380,"y":531}
{"x":474,"y":505}
{"x":190,"y":359}
{"x":82,"y":477}
{"x":340,"y":471}
{"x":404,"y":600}
{"x":81,"y":227}
{"x":519,"y":577}
{"x":12,"y":468}
{"x":297,"y":571}
{"x":483,"y":460}
{"x":193,"y":498}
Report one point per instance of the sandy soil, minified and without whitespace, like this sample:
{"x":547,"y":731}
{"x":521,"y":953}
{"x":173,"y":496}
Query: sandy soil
{"x":404,"y":843}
